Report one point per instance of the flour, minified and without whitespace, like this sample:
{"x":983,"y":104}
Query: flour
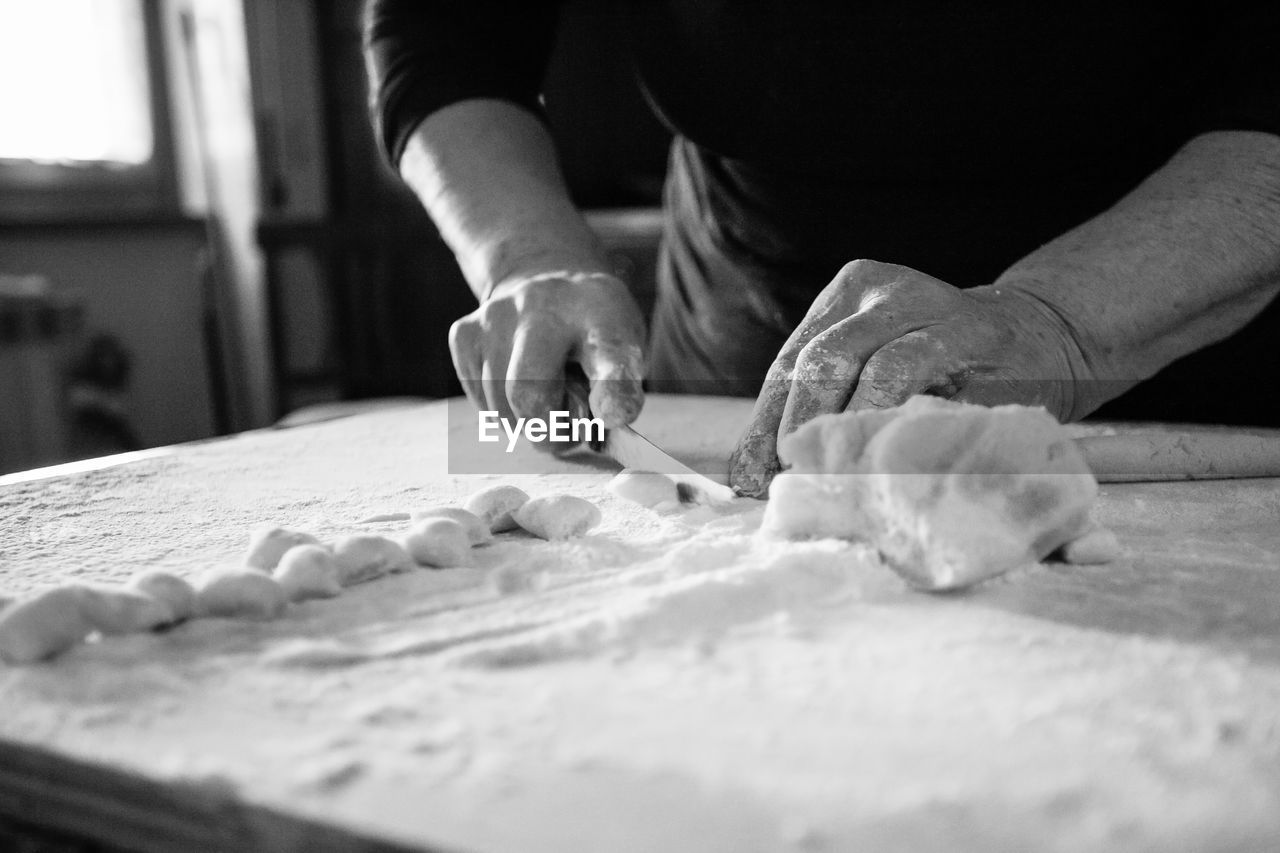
{"x":700,"y":591}
{"x":669,"y":681}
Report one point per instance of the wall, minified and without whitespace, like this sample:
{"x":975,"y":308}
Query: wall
{"x":208,"y":75}
{"x":142,"y":284}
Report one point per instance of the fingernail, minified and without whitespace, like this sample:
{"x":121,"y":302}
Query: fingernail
{"x":754,"y":464}
{"x":749,"y":477}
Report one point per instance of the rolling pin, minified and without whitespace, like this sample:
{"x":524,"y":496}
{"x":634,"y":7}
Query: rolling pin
{"x":1148,"y":457}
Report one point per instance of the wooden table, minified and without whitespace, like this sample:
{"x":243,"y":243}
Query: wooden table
{"x":669,"y":683}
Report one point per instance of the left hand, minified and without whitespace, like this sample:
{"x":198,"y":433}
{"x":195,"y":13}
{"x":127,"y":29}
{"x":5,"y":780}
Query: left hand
{"x":880,"y":333}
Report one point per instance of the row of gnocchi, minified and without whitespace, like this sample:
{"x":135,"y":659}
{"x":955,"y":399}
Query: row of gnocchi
{"x":281,"y":566}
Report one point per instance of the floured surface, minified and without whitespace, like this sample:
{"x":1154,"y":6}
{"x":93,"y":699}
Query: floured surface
{"x":669,"y":682}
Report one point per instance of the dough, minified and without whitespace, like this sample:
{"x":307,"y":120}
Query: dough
{"x":364,"y":558}
{"x":477,"y":529}
{"x":950,"y":493}
{"x":1097,"y":546}
{"x":495,"y":505}
{"x":308,"y":571}
{"x":268,"y":544}
{"x":441,"y":543}
{"x":50,"y":622}
{"x":170,"y":590}
{"x":116,"y":610}
{"x":240,"y":593}
{"x":558,"y":516}
{"x":647,"y":488}
{"x":42,"y":625}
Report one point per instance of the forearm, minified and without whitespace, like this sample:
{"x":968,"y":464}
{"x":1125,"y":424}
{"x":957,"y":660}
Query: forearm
{"x":486,"y":171}
{"x":1183,"y":261}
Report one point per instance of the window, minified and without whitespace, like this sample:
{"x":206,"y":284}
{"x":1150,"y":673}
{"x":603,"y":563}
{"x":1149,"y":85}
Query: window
{"x":85,"y":130}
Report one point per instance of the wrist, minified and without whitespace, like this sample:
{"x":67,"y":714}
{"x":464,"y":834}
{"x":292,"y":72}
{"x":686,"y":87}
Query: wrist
{"x":1067,"y":348}
{"x":571,"y":276}
{"x":526,"y":259}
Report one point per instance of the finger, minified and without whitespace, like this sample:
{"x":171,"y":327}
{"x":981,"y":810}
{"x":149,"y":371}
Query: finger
{"x":888,"y":300}
{"x":913,"y":364}
{"x":754,"y":461}
{"x":493,"y":379}
{"x":535,"y":374}
{"x":830,"y":367}
{"x":614,"y":363}
{"x":464,"y":337}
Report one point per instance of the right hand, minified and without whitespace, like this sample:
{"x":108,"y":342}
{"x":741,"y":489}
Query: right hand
{"x":510,"y":353}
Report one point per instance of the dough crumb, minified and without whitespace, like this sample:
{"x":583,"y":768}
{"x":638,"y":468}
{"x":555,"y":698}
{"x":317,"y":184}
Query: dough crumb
{"x":495,"y":506}
{"x":558,"y":516}
{"x":308,"y":571}
{"x":647,"y":488}
{"x":364,"y":558}
{"x":439,"y":542}
{"x":950,"y":493}
{"x":514,"y":579}
{"x":240,"y":593}
{"x":1099,"y":545}
{"x":384,"y":517}
{"x":477,"y":529}
{"x":268,"y":544}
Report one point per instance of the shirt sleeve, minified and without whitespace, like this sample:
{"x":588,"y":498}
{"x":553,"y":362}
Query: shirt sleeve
{"x":422,"y":55}
{"x":1243,"y":73}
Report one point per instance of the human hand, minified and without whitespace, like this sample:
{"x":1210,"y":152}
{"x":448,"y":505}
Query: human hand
{"x":880,"y":333}
{"x":510,"y":353}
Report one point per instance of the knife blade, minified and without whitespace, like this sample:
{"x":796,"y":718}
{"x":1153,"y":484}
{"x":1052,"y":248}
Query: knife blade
{"x":630,"y":449}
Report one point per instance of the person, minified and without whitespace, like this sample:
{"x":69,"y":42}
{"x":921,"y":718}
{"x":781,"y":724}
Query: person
{"x":1044,"y":204}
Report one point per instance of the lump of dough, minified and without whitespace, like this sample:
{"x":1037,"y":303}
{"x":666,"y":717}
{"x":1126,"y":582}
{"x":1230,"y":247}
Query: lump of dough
{"x":43,"y":625}
{"x":817,"y":506}
{"x":557,"y":516}
{"x":647,"y":488}
{"x":118,"y":610}
{"x":495,"y":505}
{"x":364,"y":558}
{"x":438,"y":542}
{"x":268,"y":544}
{"x":308,"y":571}
{"x":170,"y":590}
{"x":240,"y":593}
{"x":50,"y":622}
{"x":950,"y":493}
{"x":477,"y":529}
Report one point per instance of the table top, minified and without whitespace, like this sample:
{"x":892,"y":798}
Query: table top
{"x":670,"y":682}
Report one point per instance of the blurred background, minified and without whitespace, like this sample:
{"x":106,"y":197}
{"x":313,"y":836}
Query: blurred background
{"x":198,"y":234}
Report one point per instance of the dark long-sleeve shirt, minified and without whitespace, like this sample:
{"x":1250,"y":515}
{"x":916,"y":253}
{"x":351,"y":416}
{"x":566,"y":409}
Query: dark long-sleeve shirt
{"x":953,"y":138}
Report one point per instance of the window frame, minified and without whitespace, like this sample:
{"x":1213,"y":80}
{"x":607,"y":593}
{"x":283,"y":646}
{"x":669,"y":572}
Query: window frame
{"x":72,"y":192}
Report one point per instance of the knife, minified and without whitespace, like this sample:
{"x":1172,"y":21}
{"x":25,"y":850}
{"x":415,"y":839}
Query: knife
{"x":630,"y":449}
